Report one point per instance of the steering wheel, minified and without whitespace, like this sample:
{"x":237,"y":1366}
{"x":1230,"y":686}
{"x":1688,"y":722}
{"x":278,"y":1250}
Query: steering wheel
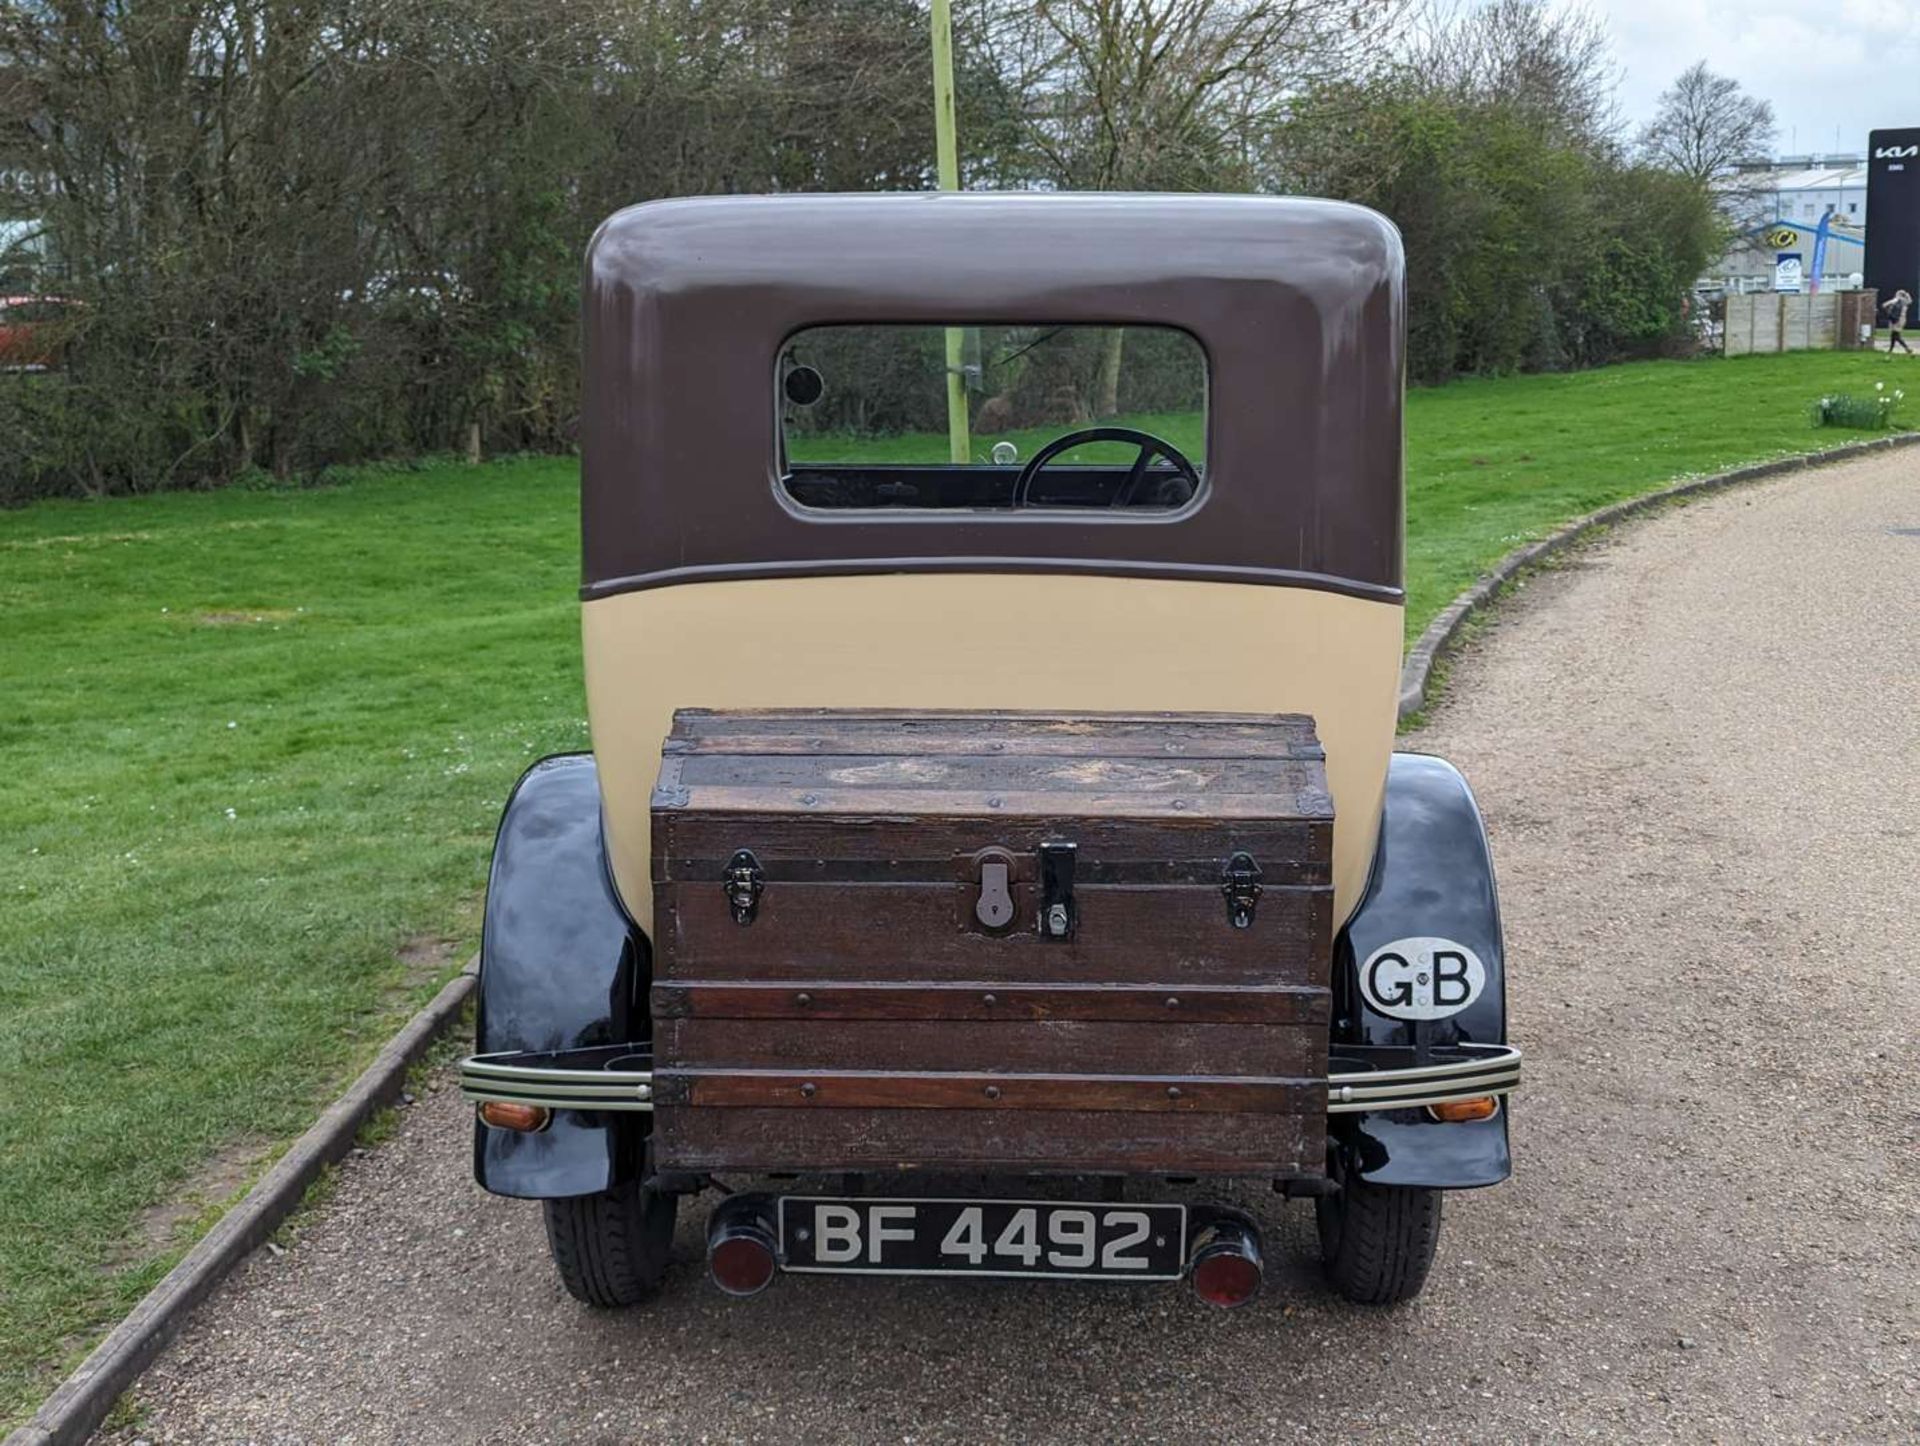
{"x":1150,"y":447}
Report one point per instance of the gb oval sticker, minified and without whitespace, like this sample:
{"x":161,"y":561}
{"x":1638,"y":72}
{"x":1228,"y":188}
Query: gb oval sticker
{"x":1422,"y":978}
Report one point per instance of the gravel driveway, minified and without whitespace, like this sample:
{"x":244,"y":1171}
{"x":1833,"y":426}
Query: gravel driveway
{"x":1698,"y":748}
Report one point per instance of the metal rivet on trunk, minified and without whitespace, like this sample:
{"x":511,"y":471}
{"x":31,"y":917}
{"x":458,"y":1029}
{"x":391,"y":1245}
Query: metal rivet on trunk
{"x":809,"y":1090}
{"x":803,"y":1000}
{"x":993,"y":1092}
{"x":1173,"y":1092}
{"x":1173,"y":1001}
{"x":988,"y":999}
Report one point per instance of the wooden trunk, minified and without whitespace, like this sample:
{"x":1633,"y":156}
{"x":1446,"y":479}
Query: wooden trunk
{"x":832,"y":993}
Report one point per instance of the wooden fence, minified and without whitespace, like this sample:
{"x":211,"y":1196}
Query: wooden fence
{"x":1780,"y":321}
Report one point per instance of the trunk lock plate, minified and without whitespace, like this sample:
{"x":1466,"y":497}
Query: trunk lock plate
{"x":744,"y":883}
{"x":1241,"y":884}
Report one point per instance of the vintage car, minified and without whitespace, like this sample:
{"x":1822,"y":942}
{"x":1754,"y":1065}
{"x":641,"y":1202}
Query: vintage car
{"x":993,"y":858}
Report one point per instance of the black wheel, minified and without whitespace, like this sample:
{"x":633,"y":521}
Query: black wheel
{"x":612,"y":1249}
{"x":1378,"y":1240}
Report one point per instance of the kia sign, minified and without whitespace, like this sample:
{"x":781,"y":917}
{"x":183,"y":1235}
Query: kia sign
{"x":1893,"y":211}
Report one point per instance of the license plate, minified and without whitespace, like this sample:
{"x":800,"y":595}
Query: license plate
{"x":983,"y":1237}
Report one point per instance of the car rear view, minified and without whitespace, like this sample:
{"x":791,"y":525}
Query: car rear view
{"x":992,"y":860}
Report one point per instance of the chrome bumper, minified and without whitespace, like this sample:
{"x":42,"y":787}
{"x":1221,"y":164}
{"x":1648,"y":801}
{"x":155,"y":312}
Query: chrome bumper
{"x":617,"y":1078}
{"x":1465,"y":1072}
{"x":612,"y":1078}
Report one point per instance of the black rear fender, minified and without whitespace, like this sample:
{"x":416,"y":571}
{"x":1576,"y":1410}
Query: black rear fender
{"x":561,"y":967}
{"x":1422,"y":963}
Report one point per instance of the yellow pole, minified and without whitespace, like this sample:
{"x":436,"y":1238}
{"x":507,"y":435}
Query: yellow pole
{"x":947,"y":164}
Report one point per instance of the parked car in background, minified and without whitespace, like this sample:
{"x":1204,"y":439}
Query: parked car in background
{"x":33,"y":332}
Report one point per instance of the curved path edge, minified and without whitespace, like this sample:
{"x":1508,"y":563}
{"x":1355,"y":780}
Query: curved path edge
{"x":1416,"y":673}
{"x":81,"y":1402}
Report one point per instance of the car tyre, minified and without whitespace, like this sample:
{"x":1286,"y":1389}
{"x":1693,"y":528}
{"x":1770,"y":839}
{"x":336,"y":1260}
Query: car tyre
{"x":1377,"y":1241}
{"x":612,"y":1249}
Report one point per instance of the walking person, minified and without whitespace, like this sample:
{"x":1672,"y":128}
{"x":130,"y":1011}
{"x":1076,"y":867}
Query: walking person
{"x":1896,"y":307}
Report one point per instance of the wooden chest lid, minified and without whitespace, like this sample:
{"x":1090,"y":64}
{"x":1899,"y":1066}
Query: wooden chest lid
{"x":994,"y":764}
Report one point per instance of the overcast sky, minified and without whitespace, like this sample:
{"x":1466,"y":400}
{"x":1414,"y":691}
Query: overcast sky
{"x":1854,"y":64}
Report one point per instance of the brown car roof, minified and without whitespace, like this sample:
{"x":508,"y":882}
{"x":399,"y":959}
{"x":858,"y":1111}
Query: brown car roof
{"x":1299,"y":305}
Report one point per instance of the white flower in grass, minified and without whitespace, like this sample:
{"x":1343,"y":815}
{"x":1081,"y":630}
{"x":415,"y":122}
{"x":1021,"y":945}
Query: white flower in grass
{"x":232,"y":814}
{"x":1879,"y":386}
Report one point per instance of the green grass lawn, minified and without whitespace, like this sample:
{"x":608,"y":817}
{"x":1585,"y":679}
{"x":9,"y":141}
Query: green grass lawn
{"x":254,"y":744}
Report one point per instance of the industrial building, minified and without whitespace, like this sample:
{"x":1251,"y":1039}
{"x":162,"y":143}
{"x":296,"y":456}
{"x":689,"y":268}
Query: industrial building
{"x":1782,"y":204}
{"x":1805,"y":188}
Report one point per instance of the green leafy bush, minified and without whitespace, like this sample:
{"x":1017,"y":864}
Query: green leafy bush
{"x":1530,"y":246}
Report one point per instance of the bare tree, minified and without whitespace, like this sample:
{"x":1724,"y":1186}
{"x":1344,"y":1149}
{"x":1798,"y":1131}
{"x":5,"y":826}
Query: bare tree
{"x":1166,"y":94}
{"x":1705,"y":125}
{"x":1551,"y":64}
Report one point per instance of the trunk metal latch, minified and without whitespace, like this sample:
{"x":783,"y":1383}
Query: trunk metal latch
{"x":1058,"y":912}
{"x":1241,"y":884}
{"x":744,"y":883}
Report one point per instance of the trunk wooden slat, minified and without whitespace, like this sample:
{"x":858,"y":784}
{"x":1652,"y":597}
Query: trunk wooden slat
{"x":1187,"y":1003}
{"x":865,"y":1017}
{"x":905,"y":932}
{"x":1156,"y":1047}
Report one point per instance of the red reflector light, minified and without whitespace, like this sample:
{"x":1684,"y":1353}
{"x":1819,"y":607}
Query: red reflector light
{"x":1226,"y":1262}
{"x":1226,"y":1279}
{"x":740,"y":1261}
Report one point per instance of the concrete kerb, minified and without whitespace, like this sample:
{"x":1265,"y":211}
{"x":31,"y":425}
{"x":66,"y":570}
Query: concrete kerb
{"x":81,"y":1402}
{"x":1416,"y":673}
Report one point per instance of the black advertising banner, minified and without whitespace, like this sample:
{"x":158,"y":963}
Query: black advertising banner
{"x":1893,"y":211}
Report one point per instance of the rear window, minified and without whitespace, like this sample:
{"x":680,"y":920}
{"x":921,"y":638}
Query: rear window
{"x":993,"y":418}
